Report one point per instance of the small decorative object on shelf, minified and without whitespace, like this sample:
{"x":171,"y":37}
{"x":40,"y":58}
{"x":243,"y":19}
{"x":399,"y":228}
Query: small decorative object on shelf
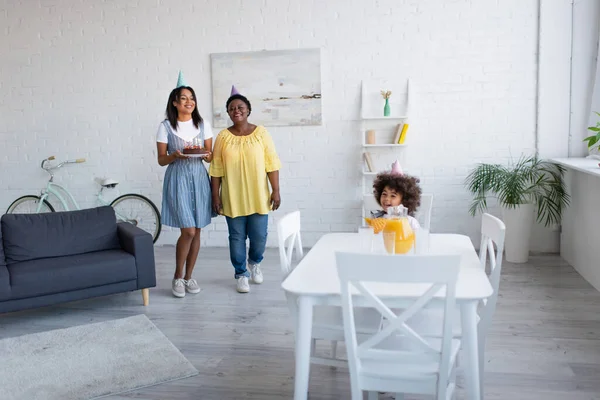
{"x":386,"y":95}
{"x":370,"y":136}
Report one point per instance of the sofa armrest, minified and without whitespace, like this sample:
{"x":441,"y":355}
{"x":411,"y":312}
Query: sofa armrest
{"x":138,"y":243}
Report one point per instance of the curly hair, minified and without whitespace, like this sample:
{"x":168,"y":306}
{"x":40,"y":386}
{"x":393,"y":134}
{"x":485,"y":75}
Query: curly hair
{"x":405,"y":185}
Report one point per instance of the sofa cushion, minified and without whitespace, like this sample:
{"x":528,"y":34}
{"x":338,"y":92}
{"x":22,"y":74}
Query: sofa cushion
{"x":35,"y":236}
{"x":63,"y":274}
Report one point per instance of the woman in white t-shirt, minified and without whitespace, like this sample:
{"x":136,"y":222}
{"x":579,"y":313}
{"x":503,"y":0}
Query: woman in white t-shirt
{"x":187,"y":200}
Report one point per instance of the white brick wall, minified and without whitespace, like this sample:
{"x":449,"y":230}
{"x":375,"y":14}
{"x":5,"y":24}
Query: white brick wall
{"x":91,"y":79}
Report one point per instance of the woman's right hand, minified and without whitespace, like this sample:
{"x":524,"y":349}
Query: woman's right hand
{"x":179,"y":154}
{"x":217,"y":205}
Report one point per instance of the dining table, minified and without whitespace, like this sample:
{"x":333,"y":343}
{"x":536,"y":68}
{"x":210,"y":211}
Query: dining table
{"x":314,"y":281}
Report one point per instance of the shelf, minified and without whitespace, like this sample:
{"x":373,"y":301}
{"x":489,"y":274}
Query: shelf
{"x":393,"y":117}
{"x":583,"y":164}
{"x":384,"y":145}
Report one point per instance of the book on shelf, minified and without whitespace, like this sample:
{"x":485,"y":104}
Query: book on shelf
{"x":369,"y":161}
{"x":403,"y":134}
{"x":398,"y":133}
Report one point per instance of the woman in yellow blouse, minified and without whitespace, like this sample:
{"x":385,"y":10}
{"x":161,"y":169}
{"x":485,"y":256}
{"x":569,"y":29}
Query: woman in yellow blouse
{"x":244,"y":163}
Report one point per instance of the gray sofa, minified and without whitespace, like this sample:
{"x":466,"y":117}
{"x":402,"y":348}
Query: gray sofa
{"x":64,"y":256}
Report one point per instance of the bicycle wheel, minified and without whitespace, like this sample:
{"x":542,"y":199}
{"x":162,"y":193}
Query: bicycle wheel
{"x":139,"y":211}
{"x":28,"y":205}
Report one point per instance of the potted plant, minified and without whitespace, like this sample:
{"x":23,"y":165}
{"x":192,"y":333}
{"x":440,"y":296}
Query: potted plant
{"x":593,"y":141}
{"x":520,"y":188}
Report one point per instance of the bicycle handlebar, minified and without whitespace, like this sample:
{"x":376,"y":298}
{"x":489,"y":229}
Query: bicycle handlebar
{"x":77,"y":161}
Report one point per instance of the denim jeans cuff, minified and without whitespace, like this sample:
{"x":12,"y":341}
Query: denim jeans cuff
{"x":246,"y":274}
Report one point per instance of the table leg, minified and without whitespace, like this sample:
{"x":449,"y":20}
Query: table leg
{"x":303,"y":336}
{"x":468,"y":312}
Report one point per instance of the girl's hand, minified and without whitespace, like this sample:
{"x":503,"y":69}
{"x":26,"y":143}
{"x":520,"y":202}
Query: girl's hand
{"x":275,"y":200}
{"x":217,"y":205}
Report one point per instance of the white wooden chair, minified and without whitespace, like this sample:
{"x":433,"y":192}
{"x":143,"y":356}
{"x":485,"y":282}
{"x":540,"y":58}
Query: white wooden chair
{"x":399,"y":358}
{"x":423,"y":214}
{"x":369,"y":204}
{"x":493,"y":232}
{"x":327,"y":320}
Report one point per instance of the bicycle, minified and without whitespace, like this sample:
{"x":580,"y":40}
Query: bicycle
{"x":132,"y":207}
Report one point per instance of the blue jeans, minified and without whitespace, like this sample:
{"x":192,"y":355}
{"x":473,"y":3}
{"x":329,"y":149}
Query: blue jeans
{"x":253,"y":227}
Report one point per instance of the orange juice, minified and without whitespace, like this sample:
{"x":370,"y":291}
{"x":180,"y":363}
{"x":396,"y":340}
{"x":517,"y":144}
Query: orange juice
{"x":405,"y":237}
{"x":397,"y":222}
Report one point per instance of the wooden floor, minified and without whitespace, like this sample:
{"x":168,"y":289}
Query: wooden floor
{"x":544,"y":344}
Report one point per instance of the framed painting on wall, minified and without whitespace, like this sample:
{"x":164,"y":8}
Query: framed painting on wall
{"x":283,"y":86}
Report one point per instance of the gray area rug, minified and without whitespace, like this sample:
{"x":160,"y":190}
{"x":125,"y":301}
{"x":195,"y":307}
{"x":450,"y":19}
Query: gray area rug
{"x":89,"y":361}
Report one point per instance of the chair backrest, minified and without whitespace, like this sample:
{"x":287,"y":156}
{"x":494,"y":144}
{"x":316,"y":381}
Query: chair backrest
{"x":423,"y":214}
{"x":434,"y":272}
{"x":369,"y":204}
{"x":493,"y":232}
{"x":288,"y":235}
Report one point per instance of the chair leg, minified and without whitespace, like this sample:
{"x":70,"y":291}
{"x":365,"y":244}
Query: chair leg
{"x":334,"y":349}
{"x":146,"y":296}
{"x":313,"y":347}
{"x":481,"y":363}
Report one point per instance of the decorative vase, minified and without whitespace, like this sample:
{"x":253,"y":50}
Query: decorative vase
{"x":518,"y":221}
{"x":386,"y":108}
{"x":370,"y":136}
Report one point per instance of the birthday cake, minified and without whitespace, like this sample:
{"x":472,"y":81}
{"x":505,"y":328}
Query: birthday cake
{"x":195,"y":150}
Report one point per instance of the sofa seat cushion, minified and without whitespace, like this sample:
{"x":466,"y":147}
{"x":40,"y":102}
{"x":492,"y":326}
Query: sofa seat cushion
{"x":62,"y":274}
{"x":32,"y":236}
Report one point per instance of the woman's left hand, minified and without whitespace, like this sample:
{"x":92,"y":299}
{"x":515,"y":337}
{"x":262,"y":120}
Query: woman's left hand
{"x":208,"y":156}
{"x":275,"y":200}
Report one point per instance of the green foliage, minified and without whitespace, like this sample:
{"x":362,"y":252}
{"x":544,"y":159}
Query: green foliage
{"x":592,"y":140}
{"x":529,"y":181}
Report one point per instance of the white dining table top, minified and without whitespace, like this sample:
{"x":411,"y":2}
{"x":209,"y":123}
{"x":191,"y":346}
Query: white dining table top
{"x":316,"y":274}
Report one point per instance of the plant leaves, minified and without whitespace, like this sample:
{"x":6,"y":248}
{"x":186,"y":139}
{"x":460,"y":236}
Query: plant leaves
{"x":529,"y":180}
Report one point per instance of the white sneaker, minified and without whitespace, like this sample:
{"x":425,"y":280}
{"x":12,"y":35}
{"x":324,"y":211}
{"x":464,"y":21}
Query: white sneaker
{"x":178,"y":287}
{"x":191,"y":286}
{"x":256,"y":273}
{"x":242,"y":284}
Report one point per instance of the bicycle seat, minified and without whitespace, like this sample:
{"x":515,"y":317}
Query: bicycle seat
{"x":107,"y":182}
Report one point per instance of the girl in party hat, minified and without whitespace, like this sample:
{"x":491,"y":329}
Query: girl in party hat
{"x":393,"y":188}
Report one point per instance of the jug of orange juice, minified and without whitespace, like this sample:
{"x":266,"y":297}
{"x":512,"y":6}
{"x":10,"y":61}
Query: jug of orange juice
{"x":397,"y":222}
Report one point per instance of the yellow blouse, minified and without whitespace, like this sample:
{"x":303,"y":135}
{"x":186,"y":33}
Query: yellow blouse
{"x":242,"y":162}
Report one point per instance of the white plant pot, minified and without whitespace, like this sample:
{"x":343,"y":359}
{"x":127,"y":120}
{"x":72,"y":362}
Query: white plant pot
{"x":518,"y":221}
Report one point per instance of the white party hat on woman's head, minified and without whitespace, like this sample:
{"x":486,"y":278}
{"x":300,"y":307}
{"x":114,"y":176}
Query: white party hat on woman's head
{"x":180,"y":80}
{"x":396,"y":168}
{"x":234,"y":90}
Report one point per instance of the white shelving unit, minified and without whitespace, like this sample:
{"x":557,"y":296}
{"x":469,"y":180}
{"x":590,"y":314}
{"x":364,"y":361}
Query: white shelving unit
{"x":384,"y":151}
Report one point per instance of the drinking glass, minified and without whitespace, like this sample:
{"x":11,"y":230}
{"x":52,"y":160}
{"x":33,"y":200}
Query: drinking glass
{"x":389,"y":241}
